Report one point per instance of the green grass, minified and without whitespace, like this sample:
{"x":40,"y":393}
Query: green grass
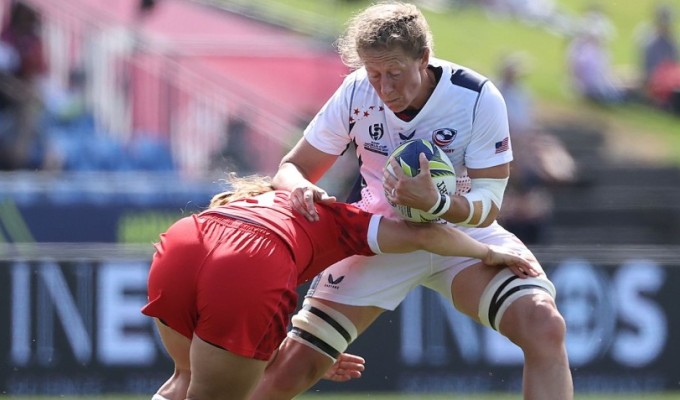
{"x":359,"y":396}
{"x":471,"y":37}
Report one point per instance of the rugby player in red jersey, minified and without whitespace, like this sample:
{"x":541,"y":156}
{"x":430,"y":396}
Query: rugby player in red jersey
{"x":222,"y":284}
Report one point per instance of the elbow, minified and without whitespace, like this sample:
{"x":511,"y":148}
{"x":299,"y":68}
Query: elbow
{"x":490,"y":218}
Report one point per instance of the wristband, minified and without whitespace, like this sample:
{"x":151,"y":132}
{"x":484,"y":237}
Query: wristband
{"x":441,"y":206}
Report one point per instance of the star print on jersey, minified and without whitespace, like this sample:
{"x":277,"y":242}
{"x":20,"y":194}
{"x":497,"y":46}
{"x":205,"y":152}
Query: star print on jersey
{"x":375,"y":131}
{"x":358,"y":114}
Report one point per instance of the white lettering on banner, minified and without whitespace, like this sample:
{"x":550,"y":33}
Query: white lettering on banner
{"x":21,"y":314}
{"x":123,"y":337}
{"x":423,"y":339}
{"x":50,"y":301}
{"x":592,"y":305}
{"x":583,"y":298}
{"x":412,"y":345}
{"x":592,"y":302}
{"x":644,"y":340}
{"x":52,"y":296}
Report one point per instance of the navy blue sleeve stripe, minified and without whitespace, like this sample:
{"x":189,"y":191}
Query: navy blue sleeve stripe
{"x":468,"y":79}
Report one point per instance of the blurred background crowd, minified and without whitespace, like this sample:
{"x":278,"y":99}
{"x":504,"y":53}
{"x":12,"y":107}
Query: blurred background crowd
{"x":119,"y":116}
{"x":198,"y":88}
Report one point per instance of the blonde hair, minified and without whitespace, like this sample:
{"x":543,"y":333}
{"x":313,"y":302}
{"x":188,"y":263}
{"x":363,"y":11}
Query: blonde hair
{"x":385,"y":26}
{"x":242,"y":187}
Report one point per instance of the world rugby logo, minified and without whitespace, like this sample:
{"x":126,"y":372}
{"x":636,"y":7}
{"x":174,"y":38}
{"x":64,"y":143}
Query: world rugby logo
{"x":443,"y":137}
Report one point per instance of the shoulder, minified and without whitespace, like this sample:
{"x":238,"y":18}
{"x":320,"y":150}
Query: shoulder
{"x":460,"y":76}
{"x":354,"y":78}
{"x":468,"y":79}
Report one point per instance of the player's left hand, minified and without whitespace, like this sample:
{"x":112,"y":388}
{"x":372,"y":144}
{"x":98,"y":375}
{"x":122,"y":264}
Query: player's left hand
{"x":346,"y":367}
{"x":519,"y":265}
{"x":304,"y":196}
{"x":417,"y":192}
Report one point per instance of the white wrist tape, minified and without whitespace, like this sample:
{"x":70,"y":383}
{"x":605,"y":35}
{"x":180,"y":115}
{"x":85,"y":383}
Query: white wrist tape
{"x":483,"y":195}
{"x":441,"y":206}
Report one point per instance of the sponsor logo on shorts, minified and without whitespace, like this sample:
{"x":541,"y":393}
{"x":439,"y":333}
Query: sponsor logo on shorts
{"x":334,"y":283}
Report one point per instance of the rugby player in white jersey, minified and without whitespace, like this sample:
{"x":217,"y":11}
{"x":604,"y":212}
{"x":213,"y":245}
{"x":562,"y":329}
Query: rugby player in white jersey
{"x":399,"y":91}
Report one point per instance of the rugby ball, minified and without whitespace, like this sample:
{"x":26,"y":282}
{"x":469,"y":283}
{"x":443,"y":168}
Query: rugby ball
{"x":441,"y":171}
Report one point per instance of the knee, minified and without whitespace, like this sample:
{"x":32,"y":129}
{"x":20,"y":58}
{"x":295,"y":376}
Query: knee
{"x":292,"y":370}
{"x":177,"y":386}
{"x":537,"y":325}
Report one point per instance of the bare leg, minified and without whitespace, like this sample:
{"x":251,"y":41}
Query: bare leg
{"x":534,"y":324}
{"x":218,"y":374}
{"x":177,"y":346}
{"x":294,"y":369}
{"x":297,"y":367}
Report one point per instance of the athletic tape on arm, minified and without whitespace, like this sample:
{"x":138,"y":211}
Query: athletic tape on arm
{"x":483,"y":194}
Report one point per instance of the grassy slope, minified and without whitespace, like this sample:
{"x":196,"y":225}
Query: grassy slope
{"x":473,"y":38}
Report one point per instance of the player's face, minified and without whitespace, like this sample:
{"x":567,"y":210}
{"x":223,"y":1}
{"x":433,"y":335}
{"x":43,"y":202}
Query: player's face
{"x":400,"y":81}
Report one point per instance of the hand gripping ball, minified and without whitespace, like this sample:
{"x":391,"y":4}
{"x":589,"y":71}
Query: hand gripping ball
{"x":441,"y":171}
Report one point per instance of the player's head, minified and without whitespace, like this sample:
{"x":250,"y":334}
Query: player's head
{"x":385,"y":26}
{"x":244,"y":187}
{"x":394,"y":43}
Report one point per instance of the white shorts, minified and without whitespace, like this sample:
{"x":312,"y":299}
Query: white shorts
{"x":385,"y":280}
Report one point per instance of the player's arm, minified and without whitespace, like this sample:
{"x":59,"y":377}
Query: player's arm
{"x":487,"y":158}
{"x":298,"y":171}
{"x":479,"y":207}
{"x":402,"y":237}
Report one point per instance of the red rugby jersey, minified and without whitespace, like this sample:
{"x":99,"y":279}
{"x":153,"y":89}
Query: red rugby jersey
{"x":342,"y":229}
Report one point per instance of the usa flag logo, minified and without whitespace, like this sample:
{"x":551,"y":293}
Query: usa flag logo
{"x":503,"y":145}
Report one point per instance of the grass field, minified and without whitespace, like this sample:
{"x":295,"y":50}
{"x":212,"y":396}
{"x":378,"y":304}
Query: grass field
{"x":358,"y":396}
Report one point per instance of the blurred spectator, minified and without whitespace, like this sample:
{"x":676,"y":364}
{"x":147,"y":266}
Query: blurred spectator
{"x":68,"y":123}
{"x":513,"y":68}
{"x":235,"y":154}
{"x":589,"y":61}
{"x":540,"y":159}
{"x":658,"y":45}
{"x":533,"y":11}
{"x":21,"y":69}
{"x":661,"y":61}
{"x":66,"y":105}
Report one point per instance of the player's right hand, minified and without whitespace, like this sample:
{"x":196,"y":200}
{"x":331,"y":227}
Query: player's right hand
{"x":303,"y":197}
{"x":346,"y":367}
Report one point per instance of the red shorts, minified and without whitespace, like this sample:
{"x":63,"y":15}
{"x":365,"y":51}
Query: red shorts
{"x":230,"y":283}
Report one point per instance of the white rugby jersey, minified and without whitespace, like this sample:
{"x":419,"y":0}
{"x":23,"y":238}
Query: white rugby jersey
{"x":465,"y":116}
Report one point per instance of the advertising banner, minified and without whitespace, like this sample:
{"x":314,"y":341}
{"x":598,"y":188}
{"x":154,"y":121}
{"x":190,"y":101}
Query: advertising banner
{"x":74,"y":327}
